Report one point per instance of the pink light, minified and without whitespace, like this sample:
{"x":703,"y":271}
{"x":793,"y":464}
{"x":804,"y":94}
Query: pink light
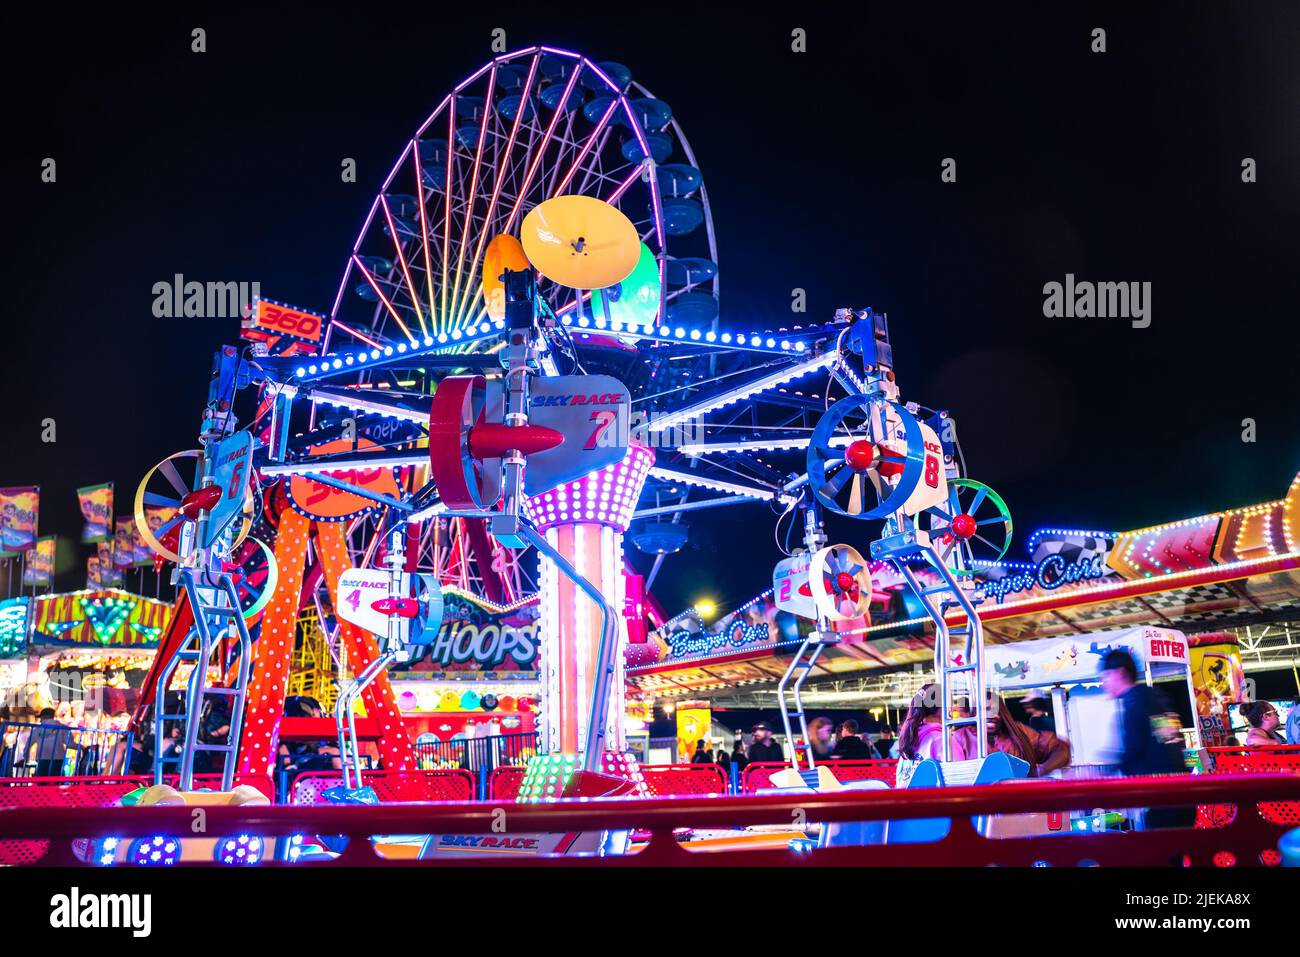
{"x":605,"y":497}
{"x":373,"y":343}
{"x":384,"y":299}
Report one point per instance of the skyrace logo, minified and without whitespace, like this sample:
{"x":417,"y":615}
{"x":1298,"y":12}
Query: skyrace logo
{"x":488,"y":842}
{"x":580,"y":398}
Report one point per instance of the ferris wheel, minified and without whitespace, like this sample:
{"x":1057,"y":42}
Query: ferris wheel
{"x":524,"y":128}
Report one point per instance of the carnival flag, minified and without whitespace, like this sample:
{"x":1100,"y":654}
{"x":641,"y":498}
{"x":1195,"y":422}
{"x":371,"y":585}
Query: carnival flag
{"x":109,"y":572}
{"x":40,"y":563}
{"x":97,"y":509}
{"x":93,"y":578}
{"x":18,"y":513}
{"x":156,"y":516}
{"x":124,"y":542}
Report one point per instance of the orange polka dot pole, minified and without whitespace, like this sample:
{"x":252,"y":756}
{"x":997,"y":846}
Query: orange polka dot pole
{"x":381,"y":705}
{"x":273,"y":650}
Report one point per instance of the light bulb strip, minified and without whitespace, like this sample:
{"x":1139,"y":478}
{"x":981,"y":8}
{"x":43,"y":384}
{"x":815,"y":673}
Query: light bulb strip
{"x":315,"y":368}
{"x":685,"y":478}
{"x":783,"y":342}
{"x":744,"y":391}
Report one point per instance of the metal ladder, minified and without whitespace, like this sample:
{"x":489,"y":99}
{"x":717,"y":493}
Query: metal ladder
{"x":799,"y":669}
{"x":818,"y":640}
{"x":971,"y":635}
{"x":216,"y":611}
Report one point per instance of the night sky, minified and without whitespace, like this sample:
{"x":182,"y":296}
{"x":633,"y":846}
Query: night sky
{"x":823,"y":171}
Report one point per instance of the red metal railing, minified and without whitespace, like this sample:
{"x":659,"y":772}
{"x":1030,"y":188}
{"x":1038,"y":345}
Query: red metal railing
{"x":759,"y":774}
{"x":503,"y":783}
{"x":663,"y":780}
{"x":445,"y":784}
{"x":1239,"y":760}
{"x":1249,"y":839}
{"x":681,"y":780}
{"x":87,"y":792}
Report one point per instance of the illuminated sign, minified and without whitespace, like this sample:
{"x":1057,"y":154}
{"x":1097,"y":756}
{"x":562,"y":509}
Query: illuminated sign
{"x":13,"y":627}
{"x":475,"y":638}
{"x":1049,"y":574}
{"x":278,"y":319}
{"x":325,"y":503}
{"x":685,"y":644}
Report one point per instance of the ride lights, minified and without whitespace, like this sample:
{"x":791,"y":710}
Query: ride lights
{"x":549,"y":774}
{"x":752,"y":342}
{"x":741,"y":392}
{"x":244,"y":849}
{"x":604,"y":497}
{"x":414,"y":347}
{"x":158,"y":851}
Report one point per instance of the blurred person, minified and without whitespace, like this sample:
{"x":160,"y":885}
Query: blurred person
{"x":819,"y":738}
{"x":723,"y":759}
{"x":1150,"y":742}
{"x":738,"y":756}
{"x":764,"y":747}
{"x":849,"y":745}
{"x":1263,"y":720}
{"x":702,"y":753}
{"x":1043,"y":751}
{"x":1037,"y":713}
{"x":921,"y":733}
{"x":886,"y":746}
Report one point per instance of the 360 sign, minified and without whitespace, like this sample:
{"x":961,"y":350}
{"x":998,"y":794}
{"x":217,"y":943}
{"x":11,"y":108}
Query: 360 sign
{"x":287,"y":321}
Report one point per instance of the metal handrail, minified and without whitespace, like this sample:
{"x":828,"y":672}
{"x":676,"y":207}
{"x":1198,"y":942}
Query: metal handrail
{"x":1248,"y":838}
{"x":478,"y":817}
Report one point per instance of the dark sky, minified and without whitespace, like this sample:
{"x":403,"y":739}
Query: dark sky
{"x":823,"y":173}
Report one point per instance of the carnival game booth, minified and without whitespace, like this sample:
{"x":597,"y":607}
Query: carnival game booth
{"x":1071,"y":669}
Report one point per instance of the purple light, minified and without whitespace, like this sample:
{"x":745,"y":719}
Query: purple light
{"x":605,"y":497}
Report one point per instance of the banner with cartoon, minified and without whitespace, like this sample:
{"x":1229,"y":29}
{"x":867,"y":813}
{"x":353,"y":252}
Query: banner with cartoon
{"x":97,"y":509}
{"x":40,"y":563}
{"x":18,"y":519}
{"x":156,"y":516}
{"x":109,"y":572}
{"x":1218,"y":679}
{"x":694,"y":724}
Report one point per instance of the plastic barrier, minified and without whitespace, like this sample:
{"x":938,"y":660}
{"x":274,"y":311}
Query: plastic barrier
{"x":663,"y":780}
{"x":503,"y":784}
{"x":1247,"y":840}
{"x":759,"y":774}
{"x":667,"y":780}
{"x":1242,"y":760}
{"x":445,"y":784}
{"x":88,"y":792}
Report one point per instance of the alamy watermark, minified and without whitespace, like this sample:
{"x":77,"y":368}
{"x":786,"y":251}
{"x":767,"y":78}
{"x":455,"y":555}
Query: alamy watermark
{"x":1082,"y":299}
{"x":75,"y":910}
{"x":179,"y":299}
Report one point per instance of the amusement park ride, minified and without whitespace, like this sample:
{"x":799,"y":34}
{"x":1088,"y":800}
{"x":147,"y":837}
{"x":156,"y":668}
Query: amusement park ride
{"x":526,"y":322}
